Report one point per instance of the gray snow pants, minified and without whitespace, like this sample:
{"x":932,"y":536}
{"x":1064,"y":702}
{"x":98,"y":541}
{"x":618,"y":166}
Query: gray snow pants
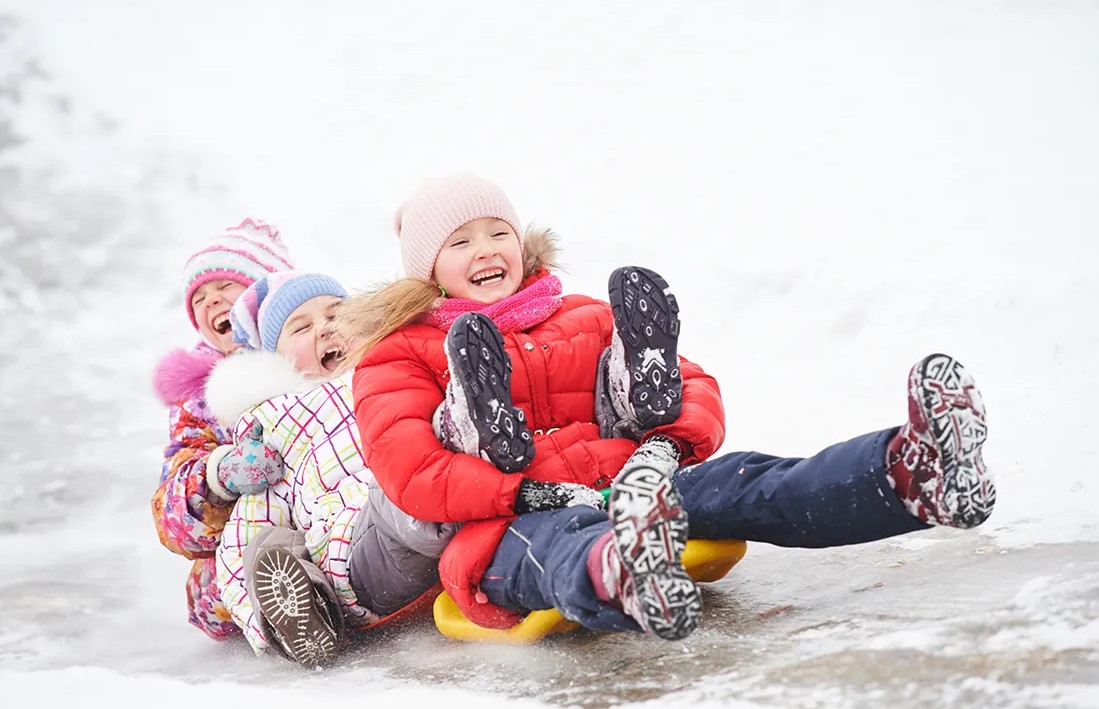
{"x":394,"y":557}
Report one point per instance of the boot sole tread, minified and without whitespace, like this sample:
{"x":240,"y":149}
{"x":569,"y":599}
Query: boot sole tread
{"x":476,"y":347}
{"x":650,"y":533}
{"x":284,"y":597}
{"x":646,"y":317}
{"x":954,"y":412}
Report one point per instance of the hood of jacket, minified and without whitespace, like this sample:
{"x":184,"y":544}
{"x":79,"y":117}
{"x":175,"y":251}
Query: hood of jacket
{"x":181,"y":374}
{"x":239,"y":382}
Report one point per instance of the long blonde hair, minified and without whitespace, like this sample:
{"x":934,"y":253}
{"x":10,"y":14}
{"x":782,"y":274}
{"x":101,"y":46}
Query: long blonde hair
{"x":369,"y":316}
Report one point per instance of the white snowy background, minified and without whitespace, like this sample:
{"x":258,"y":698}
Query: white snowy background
{"x":834,"y":189}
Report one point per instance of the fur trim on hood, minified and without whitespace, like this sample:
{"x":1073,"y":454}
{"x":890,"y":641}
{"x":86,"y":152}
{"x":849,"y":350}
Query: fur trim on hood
{"x":181,"y":374}
{"x":540,"y":250}
{"x":240,"y":382}
{"x":390,"y":306}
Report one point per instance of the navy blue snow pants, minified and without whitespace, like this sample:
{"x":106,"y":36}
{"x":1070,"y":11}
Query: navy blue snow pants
{"x":838,"y":496}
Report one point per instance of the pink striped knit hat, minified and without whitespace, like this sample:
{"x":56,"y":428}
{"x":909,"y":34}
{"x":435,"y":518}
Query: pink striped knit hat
{"x":243,"y":253}
{"x":439,"y":208}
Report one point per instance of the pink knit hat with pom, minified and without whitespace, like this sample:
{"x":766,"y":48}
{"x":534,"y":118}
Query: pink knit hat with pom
{"x":243,"y":253}
{"x":439,"y":208}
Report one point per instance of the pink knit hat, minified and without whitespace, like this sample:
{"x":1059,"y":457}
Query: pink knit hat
{"x":243,"y":253}
{"x":439,"y":208}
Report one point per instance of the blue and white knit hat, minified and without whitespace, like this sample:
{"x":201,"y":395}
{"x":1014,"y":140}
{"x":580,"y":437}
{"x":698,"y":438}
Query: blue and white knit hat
{"x":262,"y":309}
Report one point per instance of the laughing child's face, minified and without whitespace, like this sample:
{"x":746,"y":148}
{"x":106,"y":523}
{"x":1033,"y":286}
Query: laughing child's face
{"x":480,"y":261}
{"x":309,"y":339}
{"x":211,"y":304}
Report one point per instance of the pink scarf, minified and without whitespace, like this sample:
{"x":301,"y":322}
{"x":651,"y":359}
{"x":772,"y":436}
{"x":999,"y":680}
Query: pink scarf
{"x":528,"y":307}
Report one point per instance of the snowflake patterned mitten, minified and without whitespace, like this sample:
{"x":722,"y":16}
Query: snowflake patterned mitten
{"x":245,"y":468}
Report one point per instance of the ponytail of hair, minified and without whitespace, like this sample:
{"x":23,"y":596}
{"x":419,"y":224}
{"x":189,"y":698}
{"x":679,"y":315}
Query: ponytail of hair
{"x":369,"y":316}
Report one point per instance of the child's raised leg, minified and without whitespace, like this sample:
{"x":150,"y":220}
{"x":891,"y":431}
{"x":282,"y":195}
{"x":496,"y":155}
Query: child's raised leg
{"x":617,"y":574}
{"x":638,"y":384}
{"x":477,"y":417}
{"x":639,"y":372}
{"x":871,"y":487}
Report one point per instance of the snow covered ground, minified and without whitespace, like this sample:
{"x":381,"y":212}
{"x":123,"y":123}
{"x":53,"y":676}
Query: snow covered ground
{"x":833,"y":189}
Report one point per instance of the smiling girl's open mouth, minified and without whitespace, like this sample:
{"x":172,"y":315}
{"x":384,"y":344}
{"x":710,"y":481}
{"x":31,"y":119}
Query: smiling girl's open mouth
{"x":488,"y":278}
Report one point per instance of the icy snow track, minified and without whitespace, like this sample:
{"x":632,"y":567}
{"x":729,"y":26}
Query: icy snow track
{"x":940,"y":618}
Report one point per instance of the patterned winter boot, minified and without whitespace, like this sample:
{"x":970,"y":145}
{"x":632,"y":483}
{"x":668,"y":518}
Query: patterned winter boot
{"x":477,"y":416}
{"x":935,"y":461}
{"x":638,"y":564}
{"x":658,"y":453}
{"x":299,"y":618}
{"x":642,"y":380}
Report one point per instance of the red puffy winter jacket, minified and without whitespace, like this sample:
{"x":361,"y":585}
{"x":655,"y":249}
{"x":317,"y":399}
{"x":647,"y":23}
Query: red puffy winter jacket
{"x":400,"y":382}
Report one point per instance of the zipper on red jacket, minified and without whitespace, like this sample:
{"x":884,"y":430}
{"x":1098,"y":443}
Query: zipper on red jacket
{"x":533,"y":355}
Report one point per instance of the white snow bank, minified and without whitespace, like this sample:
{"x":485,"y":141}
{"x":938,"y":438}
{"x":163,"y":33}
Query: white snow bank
{"x":96,"y":686}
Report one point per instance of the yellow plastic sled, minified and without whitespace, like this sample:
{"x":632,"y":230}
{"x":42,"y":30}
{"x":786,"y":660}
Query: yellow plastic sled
{"x":704,"y":559}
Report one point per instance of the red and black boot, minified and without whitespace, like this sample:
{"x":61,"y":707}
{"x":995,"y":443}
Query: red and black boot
{"x":638,"y":564}
{"x":935,"y":461}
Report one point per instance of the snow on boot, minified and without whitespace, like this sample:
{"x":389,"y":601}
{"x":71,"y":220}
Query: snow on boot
{"x":658,"y":453}
{"x":643,"y":370}
{"x":935,"y":460}
{"x":477,"y":416}
{"x":297,"y":615}
{"x":641,"y":565}
{"x":612,"y":424}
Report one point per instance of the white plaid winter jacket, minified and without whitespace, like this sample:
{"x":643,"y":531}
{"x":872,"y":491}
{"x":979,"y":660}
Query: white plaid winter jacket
{"x":321,"y":494}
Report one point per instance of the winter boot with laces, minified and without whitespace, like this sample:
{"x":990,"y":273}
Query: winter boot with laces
{"x":299,"y":619}
{"x":935,"y":461}
{"x":638,"y":564}
{"x":642,"y":378}
{"x":477,"y":416}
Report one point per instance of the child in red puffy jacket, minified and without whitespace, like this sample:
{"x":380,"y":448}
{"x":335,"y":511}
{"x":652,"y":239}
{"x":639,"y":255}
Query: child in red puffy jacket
{"x":550,"y":396}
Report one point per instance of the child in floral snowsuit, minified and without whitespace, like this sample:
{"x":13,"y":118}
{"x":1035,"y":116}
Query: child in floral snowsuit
{"x":188,"y":514}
